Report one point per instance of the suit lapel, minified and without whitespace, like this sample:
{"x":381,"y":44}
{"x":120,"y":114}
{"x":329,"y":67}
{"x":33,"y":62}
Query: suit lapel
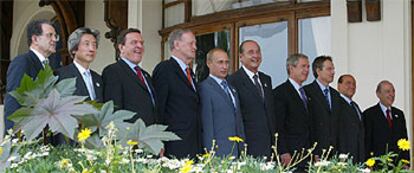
{"x":220,"y":90}
{"x":80,"y":83}
{"x":247,"y":82}
{"x":130,"y":74}
{"x":97,"y":85}
{"x":181,"y":74}
{"x":35,"y":61}
{"x":296,"y":96}
{"x":319,"y":94}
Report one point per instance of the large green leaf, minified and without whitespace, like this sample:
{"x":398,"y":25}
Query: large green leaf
{"x":56,"y":112}
{"x":66,"y":87}
{"x":30,"y":91}
{"x":150,"y":137}
{"x":104,"y":117}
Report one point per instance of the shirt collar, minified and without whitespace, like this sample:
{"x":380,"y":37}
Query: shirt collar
{"x":248,"y":72}
{"x":322,"y":86}
{"x":384,"y":108}
{"x":129,"y":63}
{"x":38,"y":54}
{"x":218,"y":80}
{"x":348,"y":100}
{"x":181,"y":63}
{"x":80,"y":68}
{"x":295,"y":84}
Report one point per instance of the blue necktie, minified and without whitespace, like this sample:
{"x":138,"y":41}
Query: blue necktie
{"x":226,"y":90}
{"x":326,"y":92}
{"x":303,"y":97}
{"x":89,"y":84}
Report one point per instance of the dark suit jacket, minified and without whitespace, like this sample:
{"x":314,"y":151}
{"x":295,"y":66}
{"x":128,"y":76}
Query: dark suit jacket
{"x":71,"y":71}
{"x":27,"y":63}
{"x":219,"y":118}
{"x":379,"y":136}
{"x":351,"y":132}
{"x":292,"y":118}
{"x":178,"y":105}
{"x":123,"y":87}
{"x":325,"y":122}
{"x":258,"y":113}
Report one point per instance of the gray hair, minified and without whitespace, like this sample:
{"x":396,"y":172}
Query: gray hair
{"x":293,"y":59}
{"x":380,"y":84}
{"x":75,"y":38}
{"x":212,"y":51}
{"x":176,"y":35}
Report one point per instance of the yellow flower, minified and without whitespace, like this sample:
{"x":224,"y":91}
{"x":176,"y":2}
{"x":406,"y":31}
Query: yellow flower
{"x":403,"y":144}
{"x":64,"y":163}
{"x":188,"y":166}
{"x":132,"y":142}
{"x":235,"y":139}
{"x":405,"y":161}
{"x":86,"y":171}
{"x":370,"y":162}
{"x":84,"y":134}
{"x":1,"y":151}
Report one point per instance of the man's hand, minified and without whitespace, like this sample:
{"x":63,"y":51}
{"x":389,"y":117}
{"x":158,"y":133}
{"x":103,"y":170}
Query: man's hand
{"x":286,"y":158}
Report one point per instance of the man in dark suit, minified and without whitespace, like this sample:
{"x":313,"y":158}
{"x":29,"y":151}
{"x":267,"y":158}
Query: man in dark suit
{"x":324,"y":106}
{"x":177,"y":95}
{"x":82,"y":45}
{"x":291,"y":106}
{"x":351,"y":129}
{"x":385,"y":124}
{"x":256,"y":100}
{"x":127,"y":84}
{"x":220,"y":108}
{"x":42,"y":38}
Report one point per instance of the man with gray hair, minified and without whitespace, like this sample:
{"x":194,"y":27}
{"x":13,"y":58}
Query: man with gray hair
{"x":177,"y":95}
{"x":292,"y":113}
{"x":385,"y":124}
{"x":82,"y":45}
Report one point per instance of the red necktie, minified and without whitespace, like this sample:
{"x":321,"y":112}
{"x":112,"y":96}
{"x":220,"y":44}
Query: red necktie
{"x":190,"y":79}
{"x":389,"y":120}
{"x":139,"y":74}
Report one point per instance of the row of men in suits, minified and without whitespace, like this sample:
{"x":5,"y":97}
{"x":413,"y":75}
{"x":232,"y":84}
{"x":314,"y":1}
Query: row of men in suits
{"x":317,"y":113}
{"x":242,"y":104}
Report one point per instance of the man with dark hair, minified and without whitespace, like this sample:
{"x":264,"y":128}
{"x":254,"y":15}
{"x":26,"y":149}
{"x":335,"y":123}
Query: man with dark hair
{"x":324,"y":106}
{"x":220,"y":107}
{"x":385,"y":124}
{"x":41,"y":38}
{"x":177,"y":95}
{"x":256,"y":100}
{"x":127,"y":84}
{"x":351,"y":133}
{"x":292,"y":113}
{"x":82,"y":45}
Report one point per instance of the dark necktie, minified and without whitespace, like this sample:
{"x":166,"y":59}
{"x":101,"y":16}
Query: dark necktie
{"x":226,"y":90}
{"x":140,"y":76}
{"x":325,"y":93}
{"x":389,"y":119}
{"x":303,"y":97}
{"x":356,"y":108}
{"x":45,"y":62}
{"x":257,"y":84}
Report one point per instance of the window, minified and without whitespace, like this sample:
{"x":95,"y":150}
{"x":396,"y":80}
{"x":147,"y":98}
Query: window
{"x":281,"y":27}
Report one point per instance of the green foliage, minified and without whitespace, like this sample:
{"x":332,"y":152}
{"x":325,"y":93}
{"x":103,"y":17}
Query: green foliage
{"x":150,"y":137}
{"x":98,"y":122}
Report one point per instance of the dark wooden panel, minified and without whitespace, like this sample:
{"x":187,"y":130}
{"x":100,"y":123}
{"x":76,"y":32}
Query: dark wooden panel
{"x":6,"y":29}
{"x":116,"y":18}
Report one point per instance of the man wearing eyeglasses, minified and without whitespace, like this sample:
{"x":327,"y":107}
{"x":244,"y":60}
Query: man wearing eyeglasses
{"x":41,"y":38}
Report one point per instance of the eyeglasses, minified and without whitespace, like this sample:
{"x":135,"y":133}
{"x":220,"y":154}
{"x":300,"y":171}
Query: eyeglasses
{"x":52,"y":35}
